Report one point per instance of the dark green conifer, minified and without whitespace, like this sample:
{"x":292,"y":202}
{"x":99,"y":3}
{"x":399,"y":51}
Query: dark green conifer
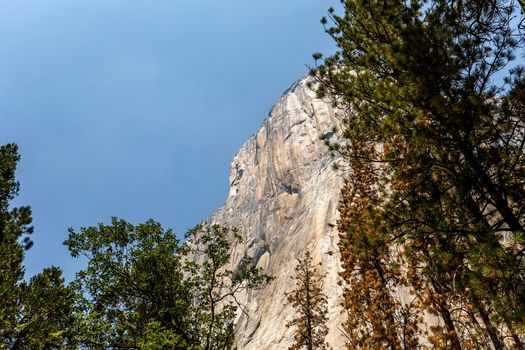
{"x":38,"y":314}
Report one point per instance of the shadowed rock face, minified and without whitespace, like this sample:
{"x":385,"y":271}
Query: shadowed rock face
{"x":283,"y":198}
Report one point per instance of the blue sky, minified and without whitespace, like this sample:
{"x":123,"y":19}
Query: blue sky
{"x":135,"y":108}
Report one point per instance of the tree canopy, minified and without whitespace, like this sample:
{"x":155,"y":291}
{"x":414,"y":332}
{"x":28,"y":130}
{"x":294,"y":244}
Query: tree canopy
{"x":433,"y":112}
{"x":143,"y":290}
{"x":140,"y":289}
{"x":133,"y":283}
{"x":38,"y":314}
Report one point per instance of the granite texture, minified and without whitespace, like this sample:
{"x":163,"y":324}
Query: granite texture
{"x":283,"y":199}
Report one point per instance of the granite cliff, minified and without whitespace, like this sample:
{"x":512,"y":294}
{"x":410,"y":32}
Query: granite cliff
{"x":283,"y":199}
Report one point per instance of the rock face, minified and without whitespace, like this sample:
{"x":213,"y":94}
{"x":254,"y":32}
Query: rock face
{"x":283,"y":199}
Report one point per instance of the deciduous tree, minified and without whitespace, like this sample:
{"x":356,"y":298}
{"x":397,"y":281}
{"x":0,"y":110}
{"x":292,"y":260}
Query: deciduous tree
{"x":215,"y":285}
{"x":145,"y":291}
{"x":133,"y":286}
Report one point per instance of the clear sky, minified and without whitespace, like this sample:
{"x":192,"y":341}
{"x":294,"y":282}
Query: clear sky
{"x":134,"y":108}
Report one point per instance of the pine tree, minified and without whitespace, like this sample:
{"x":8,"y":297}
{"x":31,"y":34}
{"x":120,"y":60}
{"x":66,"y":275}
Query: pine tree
{"x":376,"y":317}
{"x":15,"y":228}
{"x":311,"y":304}
{"x":38,"y":314}
{"x":47,"y":319}
{"x":420,"y":85}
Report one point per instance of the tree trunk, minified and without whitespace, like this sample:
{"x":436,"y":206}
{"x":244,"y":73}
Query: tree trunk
{"x":491,"y":330}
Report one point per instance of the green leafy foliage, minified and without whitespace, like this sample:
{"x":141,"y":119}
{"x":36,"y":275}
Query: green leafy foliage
{"x":144,"y":291}
{"x":135,"y":293}
{"x":157,"y":337}
{"x":133,"y":278}
{"x":215,"y":285}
